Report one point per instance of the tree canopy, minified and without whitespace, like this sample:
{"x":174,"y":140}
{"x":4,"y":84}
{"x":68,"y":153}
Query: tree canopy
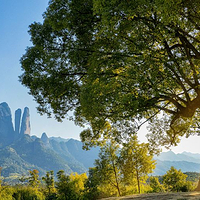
{"x":136,"y":162}
{"x":174,"y":179}
{"x":116,"y":64}
{"x":108,"y":167}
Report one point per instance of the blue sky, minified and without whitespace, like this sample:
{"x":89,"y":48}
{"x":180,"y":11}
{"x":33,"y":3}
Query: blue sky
{"x":15,"y":17}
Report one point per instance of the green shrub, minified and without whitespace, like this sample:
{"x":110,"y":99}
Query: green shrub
{"x":155,"y":184}
{"x":174,"y":180}
{"x":28,"y":193}
{"x":6,"y":193}
{"x":187,"y":187}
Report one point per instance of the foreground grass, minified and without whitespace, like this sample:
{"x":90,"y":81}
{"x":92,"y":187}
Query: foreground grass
{"x":160,"y":196}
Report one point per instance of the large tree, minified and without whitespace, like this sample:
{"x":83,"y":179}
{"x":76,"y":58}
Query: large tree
{"x":119,"y":63}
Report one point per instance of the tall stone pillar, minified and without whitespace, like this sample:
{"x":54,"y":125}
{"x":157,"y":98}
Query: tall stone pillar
{"x":25,"y":125}
{"x":18,"y":114}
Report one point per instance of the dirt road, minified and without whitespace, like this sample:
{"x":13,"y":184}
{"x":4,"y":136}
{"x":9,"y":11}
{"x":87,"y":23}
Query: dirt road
{"x":160,"y":196}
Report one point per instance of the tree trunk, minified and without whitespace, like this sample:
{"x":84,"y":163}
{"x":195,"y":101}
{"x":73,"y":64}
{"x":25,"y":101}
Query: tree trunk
{"x":116,"y":179}
{"x":118,"y":189}
{"x":138,"y":181}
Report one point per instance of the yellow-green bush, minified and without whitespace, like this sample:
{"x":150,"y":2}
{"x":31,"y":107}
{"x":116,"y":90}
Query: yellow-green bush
{"x":6,"y":193}
{"x":27,"y":193}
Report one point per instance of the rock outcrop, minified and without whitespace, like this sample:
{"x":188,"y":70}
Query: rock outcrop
{"x":6,"y":125}
{"x":45,"y":140}
{"x":8,"y":134}
{"x":18,"y":114}
{"x":25,"y":125}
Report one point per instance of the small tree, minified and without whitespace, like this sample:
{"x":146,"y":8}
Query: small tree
{"x":174,"y":180}
{"x":79,"y":181}
{"x":65,"y":187}
{"x":108,"y":167}
{"x":136,"y":162}
{"x":49,"y":182}
{"x":34,"y":178}
{"x":155,"y":184}
{"x":91,"y":185}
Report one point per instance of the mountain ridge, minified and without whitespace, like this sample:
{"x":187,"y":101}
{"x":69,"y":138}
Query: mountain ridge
{"x":184,"y":156}
{"x":186,"y":162}
{"x":21,"y":152}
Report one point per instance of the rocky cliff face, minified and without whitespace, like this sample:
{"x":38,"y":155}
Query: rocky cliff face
{"x":18,"y":113}
{"x":27,"y":154}
{"x":6,"y":126}
{"x":25,"y":125}
{"x":22,"y":126}
{"x":19,"y":152}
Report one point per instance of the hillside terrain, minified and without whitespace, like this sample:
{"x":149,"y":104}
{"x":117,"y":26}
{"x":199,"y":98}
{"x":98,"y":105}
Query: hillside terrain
{"x":27,"y":154}
{"x":21,"y":152}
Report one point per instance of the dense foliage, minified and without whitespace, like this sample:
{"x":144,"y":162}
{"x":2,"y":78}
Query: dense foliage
{"x":174,"y":180}
{"x":108,"y":167}
{"x":118,"y":62}
{"x":136,"y":162}
{"x":119,"y":171}
{"x":192,"y":176}
{"x":155,"y":184}
{"x":80,"y":187}
{"x":124,"y":169}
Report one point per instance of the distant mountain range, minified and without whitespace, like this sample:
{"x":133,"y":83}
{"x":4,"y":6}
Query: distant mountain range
{"x":21,"y":152}
{"x":186,"y":162}
{"x":29,"y":153}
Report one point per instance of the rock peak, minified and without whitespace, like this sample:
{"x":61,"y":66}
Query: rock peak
{"x":45,"y":139}
{"x":44,"y":136}
{"x":6,"y":125}
{"x":4,"y":110}
{"x":18,"y":114}
{"x":4,"y":104}
{"x":25,"y":125}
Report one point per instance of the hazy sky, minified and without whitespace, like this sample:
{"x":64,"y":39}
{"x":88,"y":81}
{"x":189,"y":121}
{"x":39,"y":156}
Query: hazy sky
{"x":15,"y":17}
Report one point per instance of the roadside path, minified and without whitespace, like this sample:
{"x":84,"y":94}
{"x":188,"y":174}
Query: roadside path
{"x":160,"y":196}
